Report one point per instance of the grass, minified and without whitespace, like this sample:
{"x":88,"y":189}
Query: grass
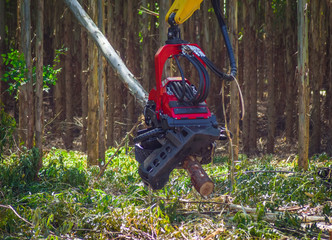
{"x":68,"y":202}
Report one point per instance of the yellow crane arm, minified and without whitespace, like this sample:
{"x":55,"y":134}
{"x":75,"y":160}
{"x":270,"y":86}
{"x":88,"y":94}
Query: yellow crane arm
{"x":183,"y":9}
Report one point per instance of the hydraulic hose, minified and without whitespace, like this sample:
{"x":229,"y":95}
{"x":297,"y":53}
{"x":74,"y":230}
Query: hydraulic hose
{"x":222,"y":25}
{"x":183,"y":90}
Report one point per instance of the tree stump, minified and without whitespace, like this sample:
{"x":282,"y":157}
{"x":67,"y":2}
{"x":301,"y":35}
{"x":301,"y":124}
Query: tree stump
{"x":199,"y":178}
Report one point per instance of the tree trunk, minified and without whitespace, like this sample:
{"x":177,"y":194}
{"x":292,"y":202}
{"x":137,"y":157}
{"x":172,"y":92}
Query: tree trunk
{"x":60,"y":85}
{"x":146,"y":58}
{"x":84,"y":83}
{"x":303,"y":78}
{"x":92,"y":131}
{"x":163,"y":26}
{"x":110,"y":77}
{"x":117,"y":90}
{"x":234,"y":105}
{"x":271,"y":112}
{"x":246,"y":82}
{"x":39,"y":81}
{"x":68,"y":79}
{"x":261,"y":64}
{"x":101,"y":83}
{"x":2,"y":45}
{"x":252,"y":77}
{"x":290,"y":72}
{"x":26,"y":121}
{"x":316,"y":62}
{"x":329,"y":76}
{"x":164,"y":5}
{"x":130,"y":57}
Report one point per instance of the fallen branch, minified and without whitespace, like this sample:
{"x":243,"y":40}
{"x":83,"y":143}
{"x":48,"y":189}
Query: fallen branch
{"x":215,"y":233}
{"x":271,"y":217}
{"x":11,"y":208}
{"x":268,"y":171}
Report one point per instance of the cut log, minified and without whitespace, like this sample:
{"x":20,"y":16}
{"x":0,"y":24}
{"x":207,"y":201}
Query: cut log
{"x":199,"y":177}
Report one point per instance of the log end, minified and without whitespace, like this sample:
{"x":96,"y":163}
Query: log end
{"x":206,"y":189}
{"x":199,"y":178}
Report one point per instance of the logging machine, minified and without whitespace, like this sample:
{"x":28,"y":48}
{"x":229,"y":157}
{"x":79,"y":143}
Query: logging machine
{"x":180,"y":125}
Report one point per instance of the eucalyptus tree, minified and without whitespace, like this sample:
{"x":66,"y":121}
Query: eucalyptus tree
{"x":303,"y":78}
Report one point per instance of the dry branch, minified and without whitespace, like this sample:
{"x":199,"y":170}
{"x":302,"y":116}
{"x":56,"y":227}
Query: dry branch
{"x":11,"y":208}
{"x":271,"y":217}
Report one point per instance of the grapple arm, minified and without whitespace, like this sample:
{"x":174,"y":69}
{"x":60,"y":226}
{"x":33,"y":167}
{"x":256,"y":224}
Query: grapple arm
{"x":181,"y":10}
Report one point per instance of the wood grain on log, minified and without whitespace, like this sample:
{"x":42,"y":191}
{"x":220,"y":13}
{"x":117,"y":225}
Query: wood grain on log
{"x":199,"y":178}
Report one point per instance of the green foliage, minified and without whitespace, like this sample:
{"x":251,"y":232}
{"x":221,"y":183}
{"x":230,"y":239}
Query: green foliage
{"x":19,"y":171}
{"x":64,"y":167}
{"x":266,"y":184}
{"x":248,"y":228}
{"x":16,"y":71}
{"x":67,"y":202}
{"x":7,"y":128}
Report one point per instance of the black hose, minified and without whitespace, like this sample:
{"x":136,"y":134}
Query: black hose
{"x":183,"y":90}
{"x":222,"y":25}
{"x":182,"y":77}
{"x":204,"y":81}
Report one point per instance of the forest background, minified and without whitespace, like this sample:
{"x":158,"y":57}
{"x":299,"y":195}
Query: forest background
{"x":86,"y":105}
{"x":58,"y":92}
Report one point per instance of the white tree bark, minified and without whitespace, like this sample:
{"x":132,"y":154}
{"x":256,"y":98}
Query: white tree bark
{"x":108,"y":51}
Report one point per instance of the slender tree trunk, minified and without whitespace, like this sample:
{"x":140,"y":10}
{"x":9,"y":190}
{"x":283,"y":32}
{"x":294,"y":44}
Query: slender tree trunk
{"x":68,"y":77}
{"x":329,"y":76}
{"x":163,"y":26}
{"x":303,"y":76}
{"x":117,"y":86}
{"x":279,"y":73}
{"x":153,"y":43}
{"x":252,"y":77}
{"x":235,"y":110}
{"x":290,"y":72}
{"x":241,"y":73}
{"x":26,"y":121}
{"x":261,"y":69}
{"x":2,"y":45}
{"x":84,"y":83}
{"x":146,"y":58}
{"x":101,"y":83}
{"x":206,"y":45}
{"x":246,"y":80}
{"x":39,"y":80}
{"x":75,"y":45}
{"x":60,"y":85}
{"x":316,"y":72}
{"x":261,"y":64}
{"x":271,"y":112}
{"x":110,"y":77}
{"x":130,"y":58}
{"x":92,"y":131}
{"x":164,"y":5}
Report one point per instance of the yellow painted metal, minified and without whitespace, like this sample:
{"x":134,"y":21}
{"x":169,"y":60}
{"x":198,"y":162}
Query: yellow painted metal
{"x":183,"y":9}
